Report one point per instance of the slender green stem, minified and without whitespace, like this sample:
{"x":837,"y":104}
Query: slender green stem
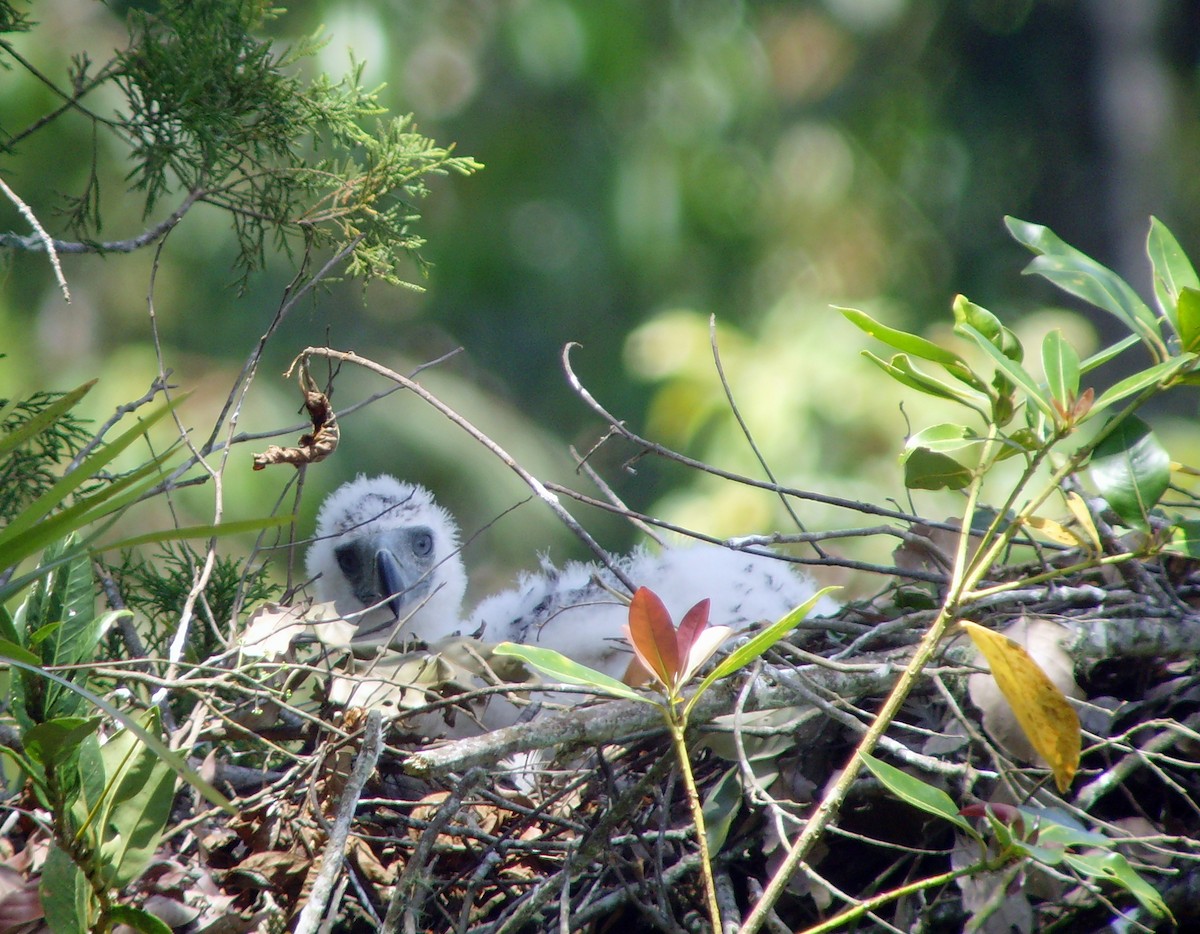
{"x":678,"y":725}
{"x":870,"y":904}
{"x":1055,"y":574}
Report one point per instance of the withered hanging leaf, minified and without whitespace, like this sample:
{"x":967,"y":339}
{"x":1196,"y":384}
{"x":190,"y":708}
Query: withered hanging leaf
{"x":1040,"y":706}
{"x":314,"y":446}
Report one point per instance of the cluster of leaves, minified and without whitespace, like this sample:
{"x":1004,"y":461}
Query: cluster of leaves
{"x":1041,"y":422}
{"x":109,"y":800}
{"x":1046,"y":837}
{"x":1130,"y":470}
{"x":221,"y":114}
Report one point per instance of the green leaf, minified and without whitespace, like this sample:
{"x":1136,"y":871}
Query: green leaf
{"x":1131,"y":470}
{"x":1172,"y":272}
{"x":1061,"y":365}
{"x":65,"y":894}
{"x":1188,"y":313}
{"x":1013,"y":370}
{"x":967,"y":313}
{"x":75,"y":640}
{"x":721,"y":806}
{"x":140,"y":789}
{"x":8,"y":628}
{"x":1115,"y":868}
{"x":1080,"y":275}
{"x":564,"y":670}
{"x":138,"y":919}
{"x":54,"y":741}
{"x":918,"y":793}
{"x":237,"y":527}
{"x":17,"y":545}
{"x":929,"y":470}
{"x":901,"y":369}
{"x":1101,"y":357}
{"x":172,"y":758}
{"x":19,"y":652}
{"x":1156,"y":375}
{"x":941,"y":438}
{"x":903,"y":341}
{"x":50,"y":414}
{"x":88,"y":469}
{"x":1185,"y":538}
{"x":743,"y":655}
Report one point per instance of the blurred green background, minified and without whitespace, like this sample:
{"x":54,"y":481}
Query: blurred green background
{"x":648,"y":165}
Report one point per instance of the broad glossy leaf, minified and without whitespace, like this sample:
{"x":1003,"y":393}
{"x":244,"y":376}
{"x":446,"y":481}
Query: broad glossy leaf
{"x":1115,"y":868}
{"x":139,"y":791}
{"x":138,"y":919}
{"x":1189,"y":318}
{"x":1185,"y":538}
{"x":919,"y":794}
{"x":563,"y":670}
{"x":694,"y":622}
{"x":652,"y":635}
{"x":1131,"y":470}
{"x":943,"y":437}
{"x":54,"y":741}
{"x":65,"y":894}
{"x":1061,"y":365}
{"x":721,"y":806}
{"x":930,"y":470}
{"x":1101,"y":357}
{"x":967,"y":312}
{"x":1046,"y":717}
{"x":1057,"y":532}
{"x":1143,"y":380}
{"x":1172,"y":270}
{"x":1080,"y":275}
{"x":1083,"y":517}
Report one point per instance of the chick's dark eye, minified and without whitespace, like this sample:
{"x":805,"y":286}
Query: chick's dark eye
{"x":422,"y":544}
{"x":348,"y":560}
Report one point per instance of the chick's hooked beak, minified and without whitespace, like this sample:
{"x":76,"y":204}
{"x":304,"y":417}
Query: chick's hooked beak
{"x":392,"y":583}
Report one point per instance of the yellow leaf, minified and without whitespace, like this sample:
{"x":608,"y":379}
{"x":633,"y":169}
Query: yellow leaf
{"x":1042,"y":710}
{"x":1084,"y":517}
{"x":1056,"y":532}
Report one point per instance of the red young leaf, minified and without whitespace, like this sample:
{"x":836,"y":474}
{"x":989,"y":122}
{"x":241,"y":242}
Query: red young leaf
{"x":693,"y":623}
{"x":652,"y":635}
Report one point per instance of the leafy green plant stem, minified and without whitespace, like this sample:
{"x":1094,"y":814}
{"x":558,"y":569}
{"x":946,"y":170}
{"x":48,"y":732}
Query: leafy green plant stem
{"x":961,"y":579}
{"x":75,"y":846}
{"x":677,"y":721}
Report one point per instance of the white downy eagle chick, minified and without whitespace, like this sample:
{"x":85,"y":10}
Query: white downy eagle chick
{"x":575,"y":609}
{"x":387,"y":557}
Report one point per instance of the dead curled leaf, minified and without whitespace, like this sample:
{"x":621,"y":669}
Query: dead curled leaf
{"x":317,"y":444}
{"x":1024,"y":699}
